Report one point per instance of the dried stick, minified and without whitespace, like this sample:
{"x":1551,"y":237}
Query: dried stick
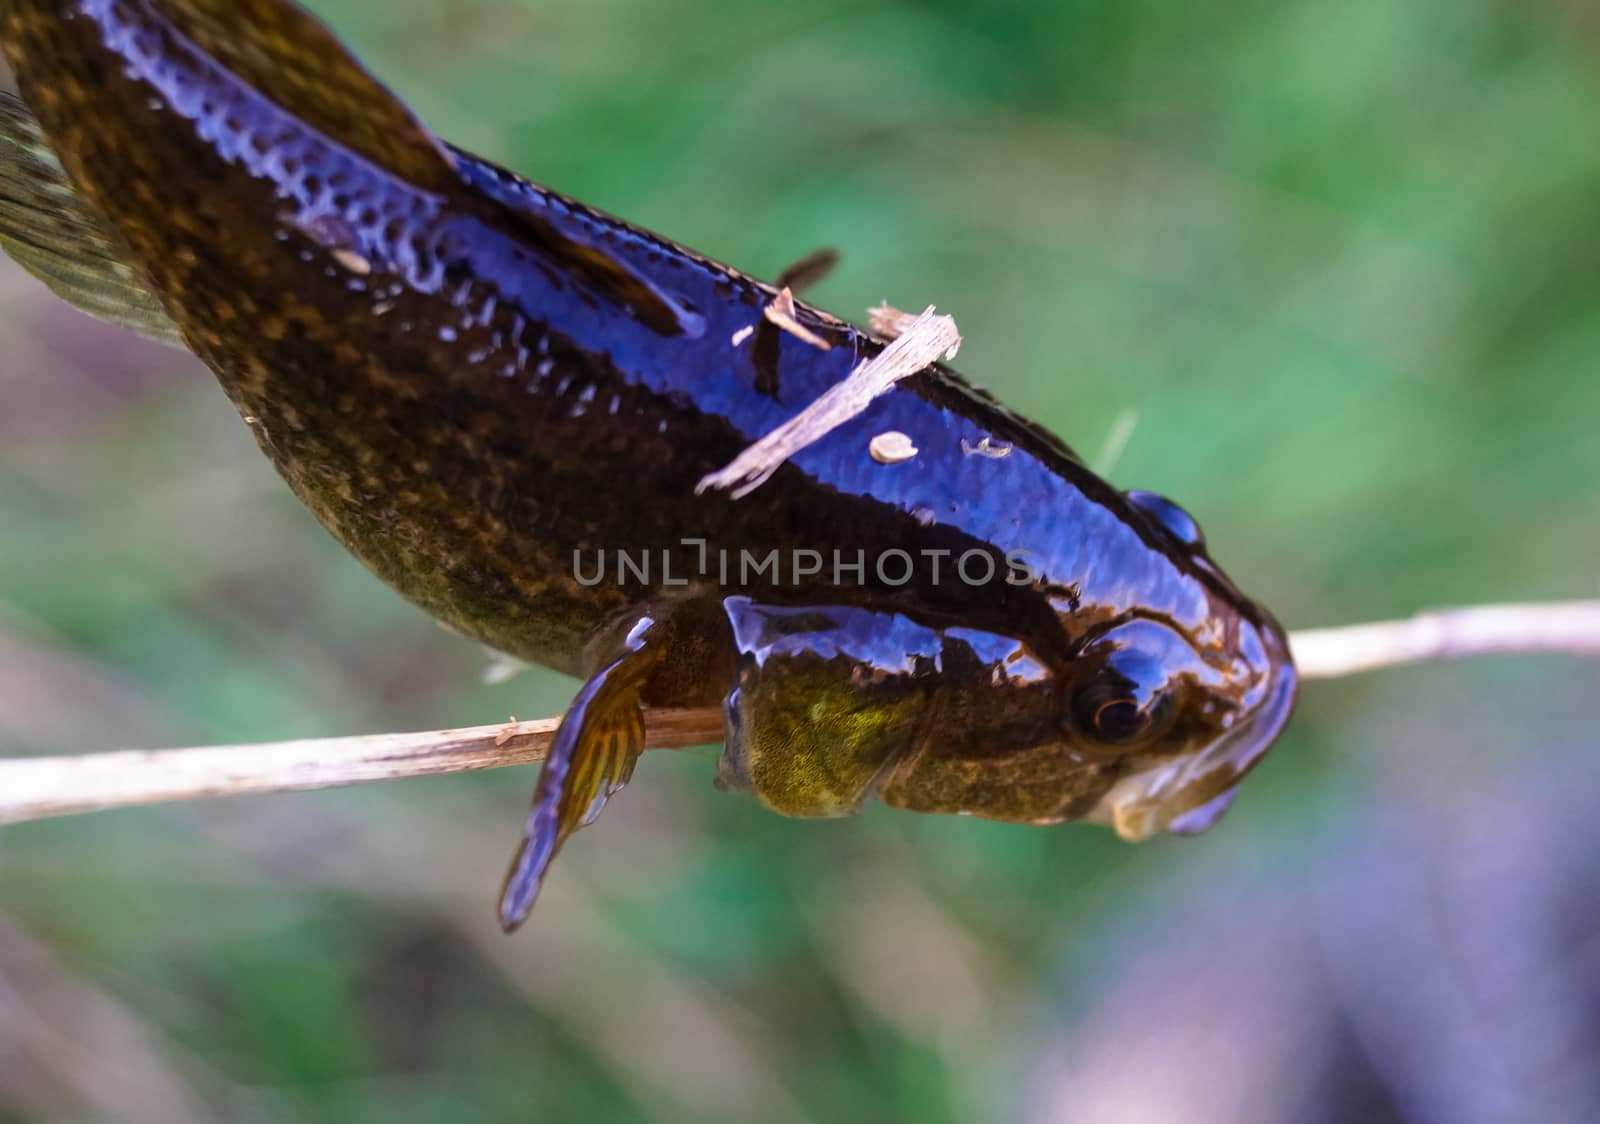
{"x":40,"y":787}
{"x":34,"y":788}
{"x":1556,"y":626}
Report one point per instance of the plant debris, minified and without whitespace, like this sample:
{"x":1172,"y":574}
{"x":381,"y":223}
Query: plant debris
{"x":927,"y":338}
{"x":782,"y":313}
{"x":985,"y":448}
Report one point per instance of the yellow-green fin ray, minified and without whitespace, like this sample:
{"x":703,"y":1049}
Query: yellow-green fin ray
{"x":593,"y":755}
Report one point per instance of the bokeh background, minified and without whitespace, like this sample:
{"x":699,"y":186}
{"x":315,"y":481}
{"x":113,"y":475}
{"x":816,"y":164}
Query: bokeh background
{"x":1338,"y":265}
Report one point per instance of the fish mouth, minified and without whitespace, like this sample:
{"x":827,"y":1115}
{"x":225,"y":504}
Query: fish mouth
{"x":1186,"y":796}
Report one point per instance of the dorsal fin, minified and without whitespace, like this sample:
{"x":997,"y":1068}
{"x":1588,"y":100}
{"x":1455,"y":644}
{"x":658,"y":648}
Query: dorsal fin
{"x":290,"y":57}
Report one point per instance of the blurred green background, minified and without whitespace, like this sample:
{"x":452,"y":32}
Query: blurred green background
{"x":1340,"y":261}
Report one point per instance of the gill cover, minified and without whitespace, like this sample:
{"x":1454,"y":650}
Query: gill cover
{"x":834,"y":705}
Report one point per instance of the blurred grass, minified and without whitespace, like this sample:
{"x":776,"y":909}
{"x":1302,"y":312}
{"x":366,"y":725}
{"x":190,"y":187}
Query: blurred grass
{"x":1341,"y":259}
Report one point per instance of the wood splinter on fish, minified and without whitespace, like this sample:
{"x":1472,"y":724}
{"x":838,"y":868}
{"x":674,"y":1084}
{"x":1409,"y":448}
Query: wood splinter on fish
{"x":891,"y":323}
{"x":927,"y":338}
{"x":782,"y":313}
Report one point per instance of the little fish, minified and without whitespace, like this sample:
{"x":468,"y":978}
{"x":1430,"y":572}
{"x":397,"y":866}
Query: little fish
{"x":501,"y":401}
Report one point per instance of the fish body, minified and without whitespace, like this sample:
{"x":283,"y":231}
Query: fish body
{"x":503,"y":402}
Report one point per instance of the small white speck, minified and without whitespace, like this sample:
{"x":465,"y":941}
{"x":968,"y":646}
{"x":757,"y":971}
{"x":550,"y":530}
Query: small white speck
{"x":353,"y":261}
{"x":581,"y":407}
{"x":892,"y":447}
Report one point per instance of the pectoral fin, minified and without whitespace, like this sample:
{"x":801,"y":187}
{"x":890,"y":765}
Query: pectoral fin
{"x":593,"y":755}
{"x":827,"y":699}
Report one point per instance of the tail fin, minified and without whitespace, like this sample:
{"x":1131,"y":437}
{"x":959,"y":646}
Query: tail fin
{"x":195,"y":131}
{"x":200,"y":130}
{"x":48,"y":229}
{"x":196,"y":52}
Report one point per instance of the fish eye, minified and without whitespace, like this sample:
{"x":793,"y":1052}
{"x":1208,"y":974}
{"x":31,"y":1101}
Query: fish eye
{"x":1120,"y":721}
{"x":1125,"y":702}
{"x":1177,"y":521}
